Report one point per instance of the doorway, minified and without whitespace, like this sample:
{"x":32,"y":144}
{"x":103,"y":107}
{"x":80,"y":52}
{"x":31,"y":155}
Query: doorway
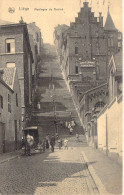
{"x":2,"y":137}
{"x":16,"y":146}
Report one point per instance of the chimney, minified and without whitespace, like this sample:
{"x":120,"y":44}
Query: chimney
{"x":1,"y":74}
{"x":86,"y":4}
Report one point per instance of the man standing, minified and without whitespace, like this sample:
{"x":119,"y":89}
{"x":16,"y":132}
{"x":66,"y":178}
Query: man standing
{"x":52,"y":143}
{"x":29,"y":143}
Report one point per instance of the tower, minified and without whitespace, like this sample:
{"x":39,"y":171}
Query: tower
{"x":111,"y":34}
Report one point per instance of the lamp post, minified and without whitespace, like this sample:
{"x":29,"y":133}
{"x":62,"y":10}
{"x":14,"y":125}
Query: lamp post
{"x":55,"y":119}
{"x":70,"y":115}
{"x":52,"y":88}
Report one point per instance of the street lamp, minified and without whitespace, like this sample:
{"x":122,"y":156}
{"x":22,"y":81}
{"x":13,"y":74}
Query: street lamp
{"x":52,"y":88}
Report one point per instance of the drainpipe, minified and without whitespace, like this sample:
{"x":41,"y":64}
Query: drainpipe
{"x":106,"y":135}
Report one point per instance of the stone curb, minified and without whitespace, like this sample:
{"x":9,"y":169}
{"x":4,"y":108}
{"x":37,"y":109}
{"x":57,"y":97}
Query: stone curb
{"x":97,"y":180}
{"x":10,"y":158}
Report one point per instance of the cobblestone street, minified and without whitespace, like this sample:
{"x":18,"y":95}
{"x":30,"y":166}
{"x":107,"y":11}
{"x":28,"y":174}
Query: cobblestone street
{"x":61,"y":172}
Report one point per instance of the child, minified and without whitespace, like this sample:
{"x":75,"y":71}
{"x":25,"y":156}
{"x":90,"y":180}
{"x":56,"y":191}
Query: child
{"x":66,"y":144}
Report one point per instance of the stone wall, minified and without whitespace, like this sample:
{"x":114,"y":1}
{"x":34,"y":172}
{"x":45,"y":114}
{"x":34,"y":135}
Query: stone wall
{"x":109,"y":127}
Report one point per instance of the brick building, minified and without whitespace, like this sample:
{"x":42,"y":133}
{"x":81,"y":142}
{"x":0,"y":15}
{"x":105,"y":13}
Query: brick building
{"x":10,"y":110}
{"x":85,"y":49}
{"x":15,"y":51}
{"x":88,"y":40}
{"x":36,"y":43}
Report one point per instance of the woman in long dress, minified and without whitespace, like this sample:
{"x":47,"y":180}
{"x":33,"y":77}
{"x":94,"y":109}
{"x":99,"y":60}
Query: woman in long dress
{"x":47,"y":142}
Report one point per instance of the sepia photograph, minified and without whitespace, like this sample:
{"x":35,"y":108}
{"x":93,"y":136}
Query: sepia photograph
{"x":61,"y":102}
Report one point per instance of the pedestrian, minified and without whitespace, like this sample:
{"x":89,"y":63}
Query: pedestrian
{"x":56,"y":136}
{"x":29,"y":143}
{"x":71,"y":130}
{"x":44,"y":144}
{"x":66,"y":143}
{"x":77,"y":137}
{"x":59,"y":143}
{"x":69,"y":125}
{"x":52,"y":143}
{"x":47,"y":141}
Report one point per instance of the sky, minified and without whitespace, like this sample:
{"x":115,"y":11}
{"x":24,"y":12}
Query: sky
{"x":49,"y":13}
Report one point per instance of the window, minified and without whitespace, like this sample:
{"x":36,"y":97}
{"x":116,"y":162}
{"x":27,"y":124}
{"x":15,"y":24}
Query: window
{"x":16,"y":99}
{"x":10,"y":65}
{"x":1,"y":101}
{"x":9,"y":103}
{"x":98,"y":106}
{"x":76,"y":69}
{"x":110,"y":42}
{"x":76,"y":50}
{"x":10,"y":45}
{"x":37,"y":37}
{"x":76,"y":34}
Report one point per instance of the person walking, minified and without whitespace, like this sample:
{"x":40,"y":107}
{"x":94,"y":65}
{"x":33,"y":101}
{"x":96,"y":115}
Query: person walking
{"x":59,"y":143}
{"x":77,"y":137}
{"x":66,"y":143}
{"x":52,"y":143}
{"x":71,"y":130}
{"x":47,"y":142}
{"x":44,"y":144}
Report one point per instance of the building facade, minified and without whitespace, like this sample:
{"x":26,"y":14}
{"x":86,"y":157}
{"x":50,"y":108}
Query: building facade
{"x":36,"y":42}
{"x":86,"y":47}
{"x":10,"y":110}
{"x":88,"y":40}
{"x":109,"y":120}
{"x":16,"y":52}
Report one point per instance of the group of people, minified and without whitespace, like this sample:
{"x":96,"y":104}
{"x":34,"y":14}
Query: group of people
{"x":50,"y":143}
{"x":70,"y":126}
{"x":55,"y":140}
{"x":46,"y":143}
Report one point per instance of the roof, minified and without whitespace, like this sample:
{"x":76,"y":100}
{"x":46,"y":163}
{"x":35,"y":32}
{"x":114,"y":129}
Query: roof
{"x":31,"y":128}
{"x":109,"y":24}
{"x":8,"y":76}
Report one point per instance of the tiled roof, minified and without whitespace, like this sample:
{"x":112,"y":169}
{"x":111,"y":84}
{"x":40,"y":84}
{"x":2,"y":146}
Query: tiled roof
{"x":118,"y":61}
{"x":8,"y":76}
{"x":109,"y":24}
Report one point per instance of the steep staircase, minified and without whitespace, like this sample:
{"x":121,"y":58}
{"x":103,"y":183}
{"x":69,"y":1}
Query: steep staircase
{"x":55,"y":100}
